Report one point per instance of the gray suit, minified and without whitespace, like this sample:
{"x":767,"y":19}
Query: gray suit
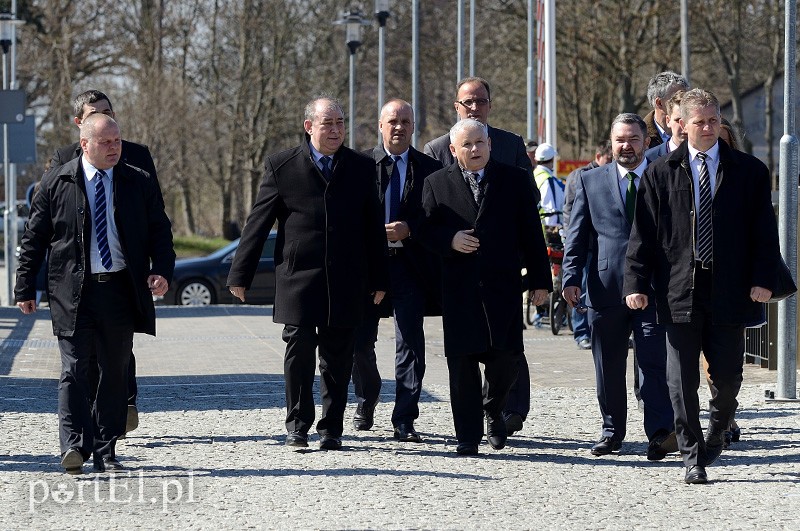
{"x":599,"y":222}
{"x":507,"y":147}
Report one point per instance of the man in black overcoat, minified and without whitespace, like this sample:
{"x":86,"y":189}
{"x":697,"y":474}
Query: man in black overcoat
{"x":481,"y":219}
{"x":110,"y":246}
{"x":330,"y":254}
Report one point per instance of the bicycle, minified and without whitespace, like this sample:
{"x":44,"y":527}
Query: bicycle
{"x":558,"y":309}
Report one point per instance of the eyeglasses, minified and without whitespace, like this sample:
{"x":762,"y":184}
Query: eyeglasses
{"x":477,"y":102}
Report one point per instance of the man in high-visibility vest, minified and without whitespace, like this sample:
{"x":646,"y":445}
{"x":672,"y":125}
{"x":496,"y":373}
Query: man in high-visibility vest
{"x":551,"y":189}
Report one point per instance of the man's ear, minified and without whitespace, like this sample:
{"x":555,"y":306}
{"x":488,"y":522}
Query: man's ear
{"x":453,"y":150}
{"x":77,"y":121}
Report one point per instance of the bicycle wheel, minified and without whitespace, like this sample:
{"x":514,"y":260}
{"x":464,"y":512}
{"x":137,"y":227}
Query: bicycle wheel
{"x":530,"y":312}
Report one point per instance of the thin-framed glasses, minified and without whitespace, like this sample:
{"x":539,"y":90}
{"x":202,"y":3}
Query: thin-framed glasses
{"x":477,"y":102}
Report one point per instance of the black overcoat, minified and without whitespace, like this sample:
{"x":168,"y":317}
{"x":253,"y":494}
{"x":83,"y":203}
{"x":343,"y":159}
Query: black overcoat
{"x":330,"y":251}
{"x":481,"y":303}
{"x":60,"y":222}
{"x":662,"y":242}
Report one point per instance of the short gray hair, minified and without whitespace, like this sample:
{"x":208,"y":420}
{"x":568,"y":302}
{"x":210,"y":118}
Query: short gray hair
{"x":311,"y":106}
{"x":466,"y":123}
{"x":661,"y":84}
{"x":630,"y":118}
{"x":697,"y":99}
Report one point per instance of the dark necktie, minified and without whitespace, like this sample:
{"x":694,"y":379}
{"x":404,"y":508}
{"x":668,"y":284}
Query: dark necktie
{"x":704,"y":230}
{"x":394,"y":192}
{"x":100,"y":221}
{"x":326,"y":167}
{"x":477,"y":190}
{"x":630,"y":197}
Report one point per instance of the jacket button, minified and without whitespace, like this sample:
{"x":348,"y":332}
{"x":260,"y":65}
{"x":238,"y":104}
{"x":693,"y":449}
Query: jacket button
{"x":80,"y":211}
{"x":480,"y":284}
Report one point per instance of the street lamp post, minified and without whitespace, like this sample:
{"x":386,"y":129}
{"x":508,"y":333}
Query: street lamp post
{"x":8,"y":25}
{"x":352,"y":20}
{"x":381,"y":14}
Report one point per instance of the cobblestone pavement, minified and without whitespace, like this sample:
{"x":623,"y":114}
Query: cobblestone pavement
{"x":209,"y":451}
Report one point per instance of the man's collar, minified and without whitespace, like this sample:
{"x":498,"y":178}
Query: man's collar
{"x":89,"y":170}
{"x":638,"y":170}
{"x":316,"y":154}
{"x":712,"y":152}
{"x":403,"y":155}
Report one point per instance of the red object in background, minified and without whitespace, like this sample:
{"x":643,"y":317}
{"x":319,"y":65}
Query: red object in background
{"x":565,"y":167}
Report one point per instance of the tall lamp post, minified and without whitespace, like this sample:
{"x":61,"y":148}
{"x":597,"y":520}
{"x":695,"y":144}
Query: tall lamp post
{"x":352,"y":21}
{"x":381,"y":14}
{"x":7,"y":39}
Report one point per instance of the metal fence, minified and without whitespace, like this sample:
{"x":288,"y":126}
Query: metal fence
{"x":760,"y":343}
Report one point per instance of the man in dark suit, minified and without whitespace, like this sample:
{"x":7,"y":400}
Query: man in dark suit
{"x":481,"y":221}
{"x":661,"y":88}
{"x":605,"y":198}
{"x":673,"y":121}
{"x":86,"y":104}
{"x":474,"y":100}
{"x":110,"y":246}
{"x":400,"y":171}
{"x":330,"y":256}
{"x":705,"y":235}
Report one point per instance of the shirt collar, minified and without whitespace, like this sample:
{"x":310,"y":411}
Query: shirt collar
{"x":316,"y":154}
{"x":661,"y":130}
{"x":90,"y":171}
{"x":713,"y":152}
{"x":403,"y":155}
{"x":479,"y":172}
{"x":622,"y":172}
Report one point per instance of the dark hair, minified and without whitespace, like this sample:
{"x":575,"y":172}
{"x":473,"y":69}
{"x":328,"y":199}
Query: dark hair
{"x":475,"y":80}
{"x":630,"y":118}
{"x":604,"y":148}
{"x":725,"y":124}
{"x":87,"y":98}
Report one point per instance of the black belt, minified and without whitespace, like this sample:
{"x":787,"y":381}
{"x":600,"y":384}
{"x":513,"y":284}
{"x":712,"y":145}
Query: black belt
{"x":395,"y":251}
{"x":106,"y":277}
{"x":699,"y":264}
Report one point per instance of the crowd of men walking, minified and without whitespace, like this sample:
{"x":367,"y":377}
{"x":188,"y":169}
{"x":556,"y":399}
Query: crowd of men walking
{"x":676,"y":246}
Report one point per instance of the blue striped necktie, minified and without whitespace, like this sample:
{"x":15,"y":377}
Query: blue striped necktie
{"x":704,"y":224}
{"x":100,"y":221}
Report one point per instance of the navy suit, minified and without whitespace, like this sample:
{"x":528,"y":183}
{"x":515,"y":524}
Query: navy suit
{"x":413,"y":286}
{"x":599,"y":222}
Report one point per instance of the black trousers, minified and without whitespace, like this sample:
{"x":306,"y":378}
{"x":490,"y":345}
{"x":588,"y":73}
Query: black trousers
{"x":723,"y":346}
{"x":92,"y":421}
{"x":408,"y":301}
{"x":469,"y":404}
{"x":133,"y":388}
{"x":335,"y":368}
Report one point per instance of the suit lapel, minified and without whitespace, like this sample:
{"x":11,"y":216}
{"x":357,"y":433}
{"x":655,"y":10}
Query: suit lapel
{"x":463,"y":191}
{"x":612,"y":181}
{"x":491,"y":183}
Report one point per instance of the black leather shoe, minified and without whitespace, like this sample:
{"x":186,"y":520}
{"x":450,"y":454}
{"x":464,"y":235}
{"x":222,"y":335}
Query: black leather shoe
{"x":72,"y":461}
{"x":715,"y":440}
{"x":297,"y":440}
{"x":513,"y":423}
{"x":106,"y":463}
{"x":406,"y":433}
{"x":606,"y":445}
{"x":696,"y":475}
{"x":496,"y":432}
{"x":662,"y":444}
{"x":467,"y":449}
{"x":330,"y":443}
{"x":364,"y":417}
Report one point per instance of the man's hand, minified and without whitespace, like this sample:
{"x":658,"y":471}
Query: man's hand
{"x":759,"y":294}
{"x":572,"y":294}
{"x":397,"y":231}
{"x":237,"y":291}
{"x":27,"y":307}
{"x":158,"y":285}
{"x":538,"y":297}
{"x":378,"y":296}
{"x":636,"y":301}
{"x":464,"y":242}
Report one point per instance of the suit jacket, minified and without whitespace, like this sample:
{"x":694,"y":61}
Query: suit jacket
{"x":598,"y":222}
{"x":652,"y":129}
{"x":654,"y":153}
{"x":569,"y":191}
{"x":60,"y":222}
{"x":507,"y":148}
{"x":481,"y":290}
{"x":330,"y":250}
{"x":662,"y":243}
{"x":419,"y":261}
{"x":132,"y":153}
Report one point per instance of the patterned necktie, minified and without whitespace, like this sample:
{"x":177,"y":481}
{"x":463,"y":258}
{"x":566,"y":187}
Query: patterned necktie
{"x":630,"y":197}
{"x":326,"y":167}
{"x":394,"y":192}
{"x":704,"y":229}
{"x":477,"y":190}
{"x":100,"y":221}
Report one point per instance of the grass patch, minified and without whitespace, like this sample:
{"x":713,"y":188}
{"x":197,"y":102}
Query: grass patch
{"x":189,"y":246}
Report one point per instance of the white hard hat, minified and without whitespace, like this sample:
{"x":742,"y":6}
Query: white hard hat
{"x":545,"y":152}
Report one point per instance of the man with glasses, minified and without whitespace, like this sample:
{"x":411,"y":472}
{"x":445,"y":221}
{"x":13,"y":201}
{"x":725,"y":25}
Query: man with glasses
{"x":473,"y":100}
